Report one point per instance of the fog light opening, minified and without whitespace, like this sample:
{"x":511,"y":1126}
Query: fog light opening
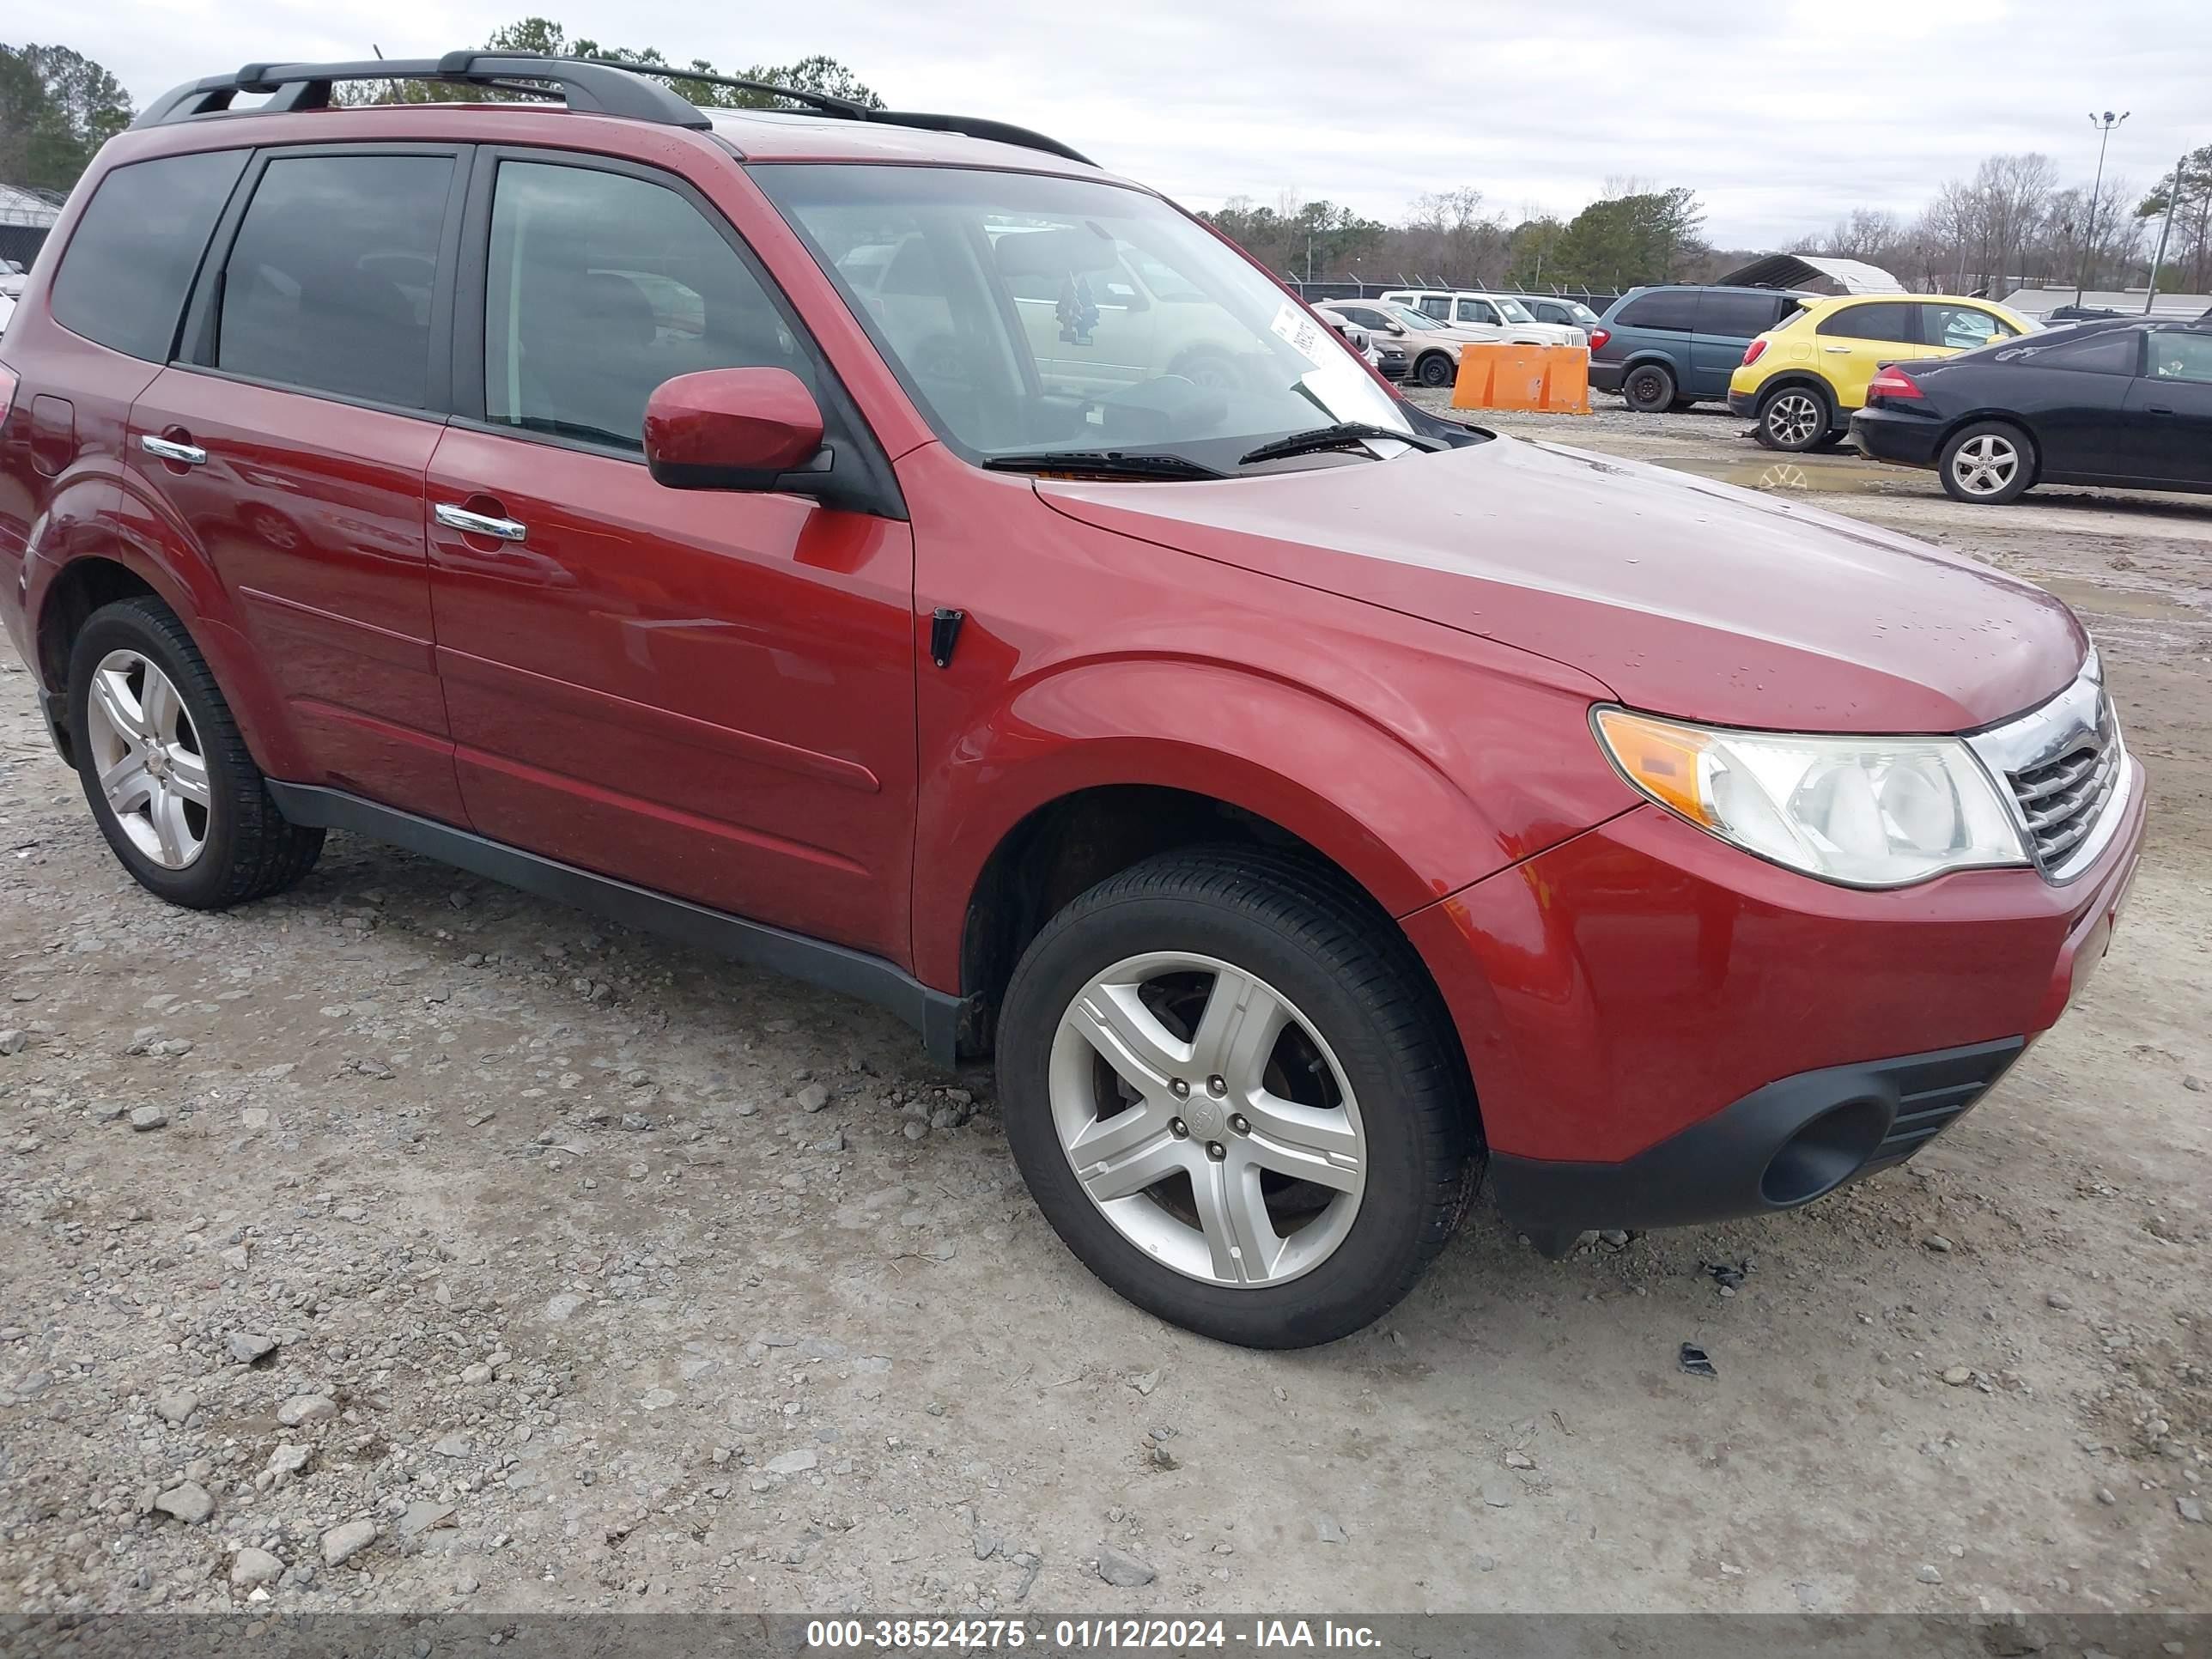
{"x":1825,"y":1154}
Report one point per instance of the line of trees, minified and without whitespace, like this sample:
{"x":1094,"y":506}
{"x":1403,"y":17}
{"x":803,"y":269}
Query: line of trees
{"x":2011,"y":222}
{"x":57,"y":108}
{"x":1633,"y":233}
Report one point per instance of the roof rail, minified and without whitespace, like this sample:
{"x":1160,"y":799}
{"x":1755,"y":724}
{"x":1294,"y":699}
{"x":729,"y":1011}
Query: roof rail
{"x":587,"y":85}
{"x":824,"y":103}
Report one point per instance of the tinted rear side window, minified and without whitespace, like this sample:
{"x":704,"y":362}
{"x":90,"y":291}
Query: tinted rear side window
{"x":125,"y":273}
{"x":329,"y":285}
{"x":1668,"y":307}
{"x":1735,"y":316}
{"x":2114,"y":351}
{"x":1884,"y":321}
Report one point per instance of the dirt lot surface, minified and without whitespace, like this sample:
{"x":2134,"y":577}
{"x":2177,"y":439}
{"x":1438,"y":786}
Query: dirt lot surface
{"x":405,"y":1243}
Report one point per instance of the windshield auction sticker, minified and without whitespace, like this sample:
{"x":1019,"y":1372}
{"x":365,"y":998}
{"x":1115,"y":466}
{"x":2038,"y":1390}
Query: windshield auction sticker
{"x":1304,"y":334}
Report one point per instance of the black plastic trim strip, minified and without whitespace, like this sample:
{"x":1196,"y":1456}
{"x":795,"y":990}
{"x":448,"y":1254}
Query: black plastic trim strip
{"x":1715,"y":1169}
{"x":938,"y":1015}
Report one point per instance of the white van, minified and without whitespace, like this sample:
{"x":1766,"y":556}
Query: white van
{"x":1490,"y":316}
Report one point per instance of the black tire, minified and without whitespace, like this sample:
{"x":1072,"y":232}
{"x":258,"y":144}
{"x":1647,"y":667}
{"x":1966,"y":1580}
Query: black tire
{"x":1794,"y":418}
{"x":1353,"y":977}
{"x":1955,"y":463}
{"x":1648,"y":389}
{"x":1681,"y":404}
{"x":1434,"y":370}
{"x":250,"y":850}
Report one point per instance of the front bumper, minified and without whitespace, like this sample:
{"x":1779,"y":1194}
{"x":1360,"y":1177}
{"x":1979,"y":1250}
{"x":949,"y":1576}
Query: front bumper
{"x":1653,"y":1017}
{"x":1779,"y":1147}
{"x":1606,"y":377}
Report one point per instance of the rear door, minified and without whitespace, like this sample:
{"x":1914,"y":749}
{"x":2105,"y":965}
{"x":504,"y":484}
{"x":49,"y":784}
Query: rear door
{"x":1852,"y":342}
{"x":289,"y":441}
{"x":1726,"y":323}
{"x":2170,"y":408}
{"x":708,"y":693}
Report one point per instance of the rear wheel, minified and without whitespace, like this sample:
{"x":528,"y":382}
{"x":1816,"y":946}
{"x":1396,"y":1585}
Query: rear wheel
{"x":1794,"y":418}
{"x":1648,"y":389}
{"x":1434,"y":370}
{"x":1228,"y":1086}
{"x":1989,"y":463}
{"x":164,"y":769}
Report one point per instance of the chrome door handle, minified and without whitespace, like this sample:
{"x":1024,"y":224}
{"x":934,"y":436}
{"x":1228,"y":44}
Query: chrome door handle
{"x":479,"y":523}
{"x":168,"y":450}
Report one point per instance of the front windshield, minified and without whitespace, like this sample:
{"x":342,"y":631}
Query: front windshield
{"x":1582,"y":314}
{"x":1028,"y":313}
{"x":1514,"y":311}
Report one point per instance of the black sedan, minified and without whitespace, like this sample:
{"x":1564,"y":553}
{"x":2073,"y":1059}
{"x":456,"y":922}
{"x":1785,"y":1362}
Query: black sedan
{"x":2124,"y":402}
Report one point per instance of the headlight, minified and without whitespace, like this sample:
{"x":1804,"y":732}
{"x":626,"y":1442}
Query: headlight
{"x":1863,"y":811}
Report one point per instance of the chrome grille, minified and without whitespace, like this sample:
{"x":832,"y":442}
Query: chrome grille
{"x":2062,"y":800}
{"x":2068,"y":771}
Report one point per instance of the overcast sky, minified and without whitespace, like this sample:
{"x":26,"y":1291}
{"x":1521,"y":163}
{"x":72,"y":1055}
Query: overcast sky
{"x":1781,"y":114}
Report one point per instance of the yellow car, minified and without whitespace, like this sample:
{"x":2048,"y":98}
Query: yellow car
{"x":1801,"y":381}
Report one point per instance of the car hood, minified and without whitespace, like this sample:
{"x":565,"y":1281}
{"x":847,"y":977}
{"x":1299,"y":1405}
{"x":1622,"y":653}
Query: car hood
{"x":1682,"y":595}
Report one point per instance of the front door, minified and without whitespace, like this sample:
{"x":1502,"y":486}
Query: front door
{"x":1851,"y":344}
{"x":2169,"y":416}
{"x":291,"y":441}
{"x":706,"y":693}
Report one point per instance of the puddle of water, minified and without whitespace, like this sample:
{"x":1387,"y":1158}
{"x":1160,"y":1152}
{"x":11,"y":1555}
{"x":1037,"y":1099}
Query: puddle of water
{"x":1786,"y":477}
{"x":2118,"y":601}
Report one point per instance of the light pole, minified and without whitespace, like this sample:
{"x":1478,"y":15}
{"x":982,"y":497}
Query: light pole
{"x":2104,"y":124}
{"x":2165,"y":230}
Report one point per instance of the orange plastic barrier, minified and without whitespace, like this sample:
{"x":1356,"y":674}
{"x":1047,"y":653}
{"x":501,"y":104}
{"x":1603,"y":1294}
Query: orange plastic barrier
{"x":1552,"y":380}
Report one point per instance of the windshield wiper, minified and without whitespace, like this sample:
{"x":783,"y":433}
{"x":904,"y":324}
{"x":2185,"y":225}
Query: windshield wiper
{"x":1114,"y":462}
{"x":1335,"y":437}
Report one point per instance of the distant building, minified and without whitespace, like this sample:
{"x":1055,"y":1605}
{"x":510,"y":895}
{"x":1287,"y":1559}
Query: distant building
{"x":26,"y":217}
{"x":1818,"y":273}
{"x":2042,"y":302}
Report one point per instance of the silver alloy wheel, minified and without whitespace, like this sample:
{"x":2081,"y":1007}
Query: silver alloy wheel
{"x":147,"y":757}
{"x":1793,"y":417}
{"x":1207,"y":1119}
{"x":1985,"y":465}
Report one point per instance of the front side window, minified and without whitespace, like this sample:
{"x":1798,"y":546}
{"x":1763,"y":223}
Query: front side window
{"x":2179,"y":355}
{"x":125,"y":273}
{"x":1034,"y":333}
{"x":1477,"y":311}
{"x":1884,"y":321}
{"x":1961,"y":328}
{"x":602,"y":285}
{"x":328,"y":285}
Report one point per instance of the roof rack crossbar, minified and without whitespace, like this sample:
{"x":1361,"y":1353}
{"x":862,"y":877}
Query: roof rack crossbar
{"x":608,"y":86}
{"x":587,"y":85}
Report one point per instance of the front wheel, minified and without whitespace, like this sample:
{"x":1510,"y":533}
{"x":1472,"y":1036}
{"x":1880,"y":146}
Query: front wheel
{"x":1434,"y":370}
{"x":1794,"y":418}
{"x":1988,"y":463}
{"x":1232,"y":1092}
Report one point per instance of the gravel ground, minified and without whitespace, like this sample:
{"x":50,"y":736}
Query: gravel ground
{"x":404,"y":1244}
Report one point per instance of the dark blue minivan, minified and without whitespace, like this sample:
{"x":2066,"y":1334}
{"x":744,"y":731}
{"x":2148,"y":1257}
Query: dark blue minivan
{"x":1669,"y":347}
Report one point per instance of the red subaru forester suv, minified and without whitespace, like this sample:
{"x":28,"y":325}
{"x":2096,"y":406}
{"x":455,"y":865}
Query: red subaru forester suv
{"x":887,"y":548}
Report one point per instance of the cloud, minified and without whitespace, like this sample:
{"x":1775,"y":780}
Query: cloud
{"x":1781,"y":116}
